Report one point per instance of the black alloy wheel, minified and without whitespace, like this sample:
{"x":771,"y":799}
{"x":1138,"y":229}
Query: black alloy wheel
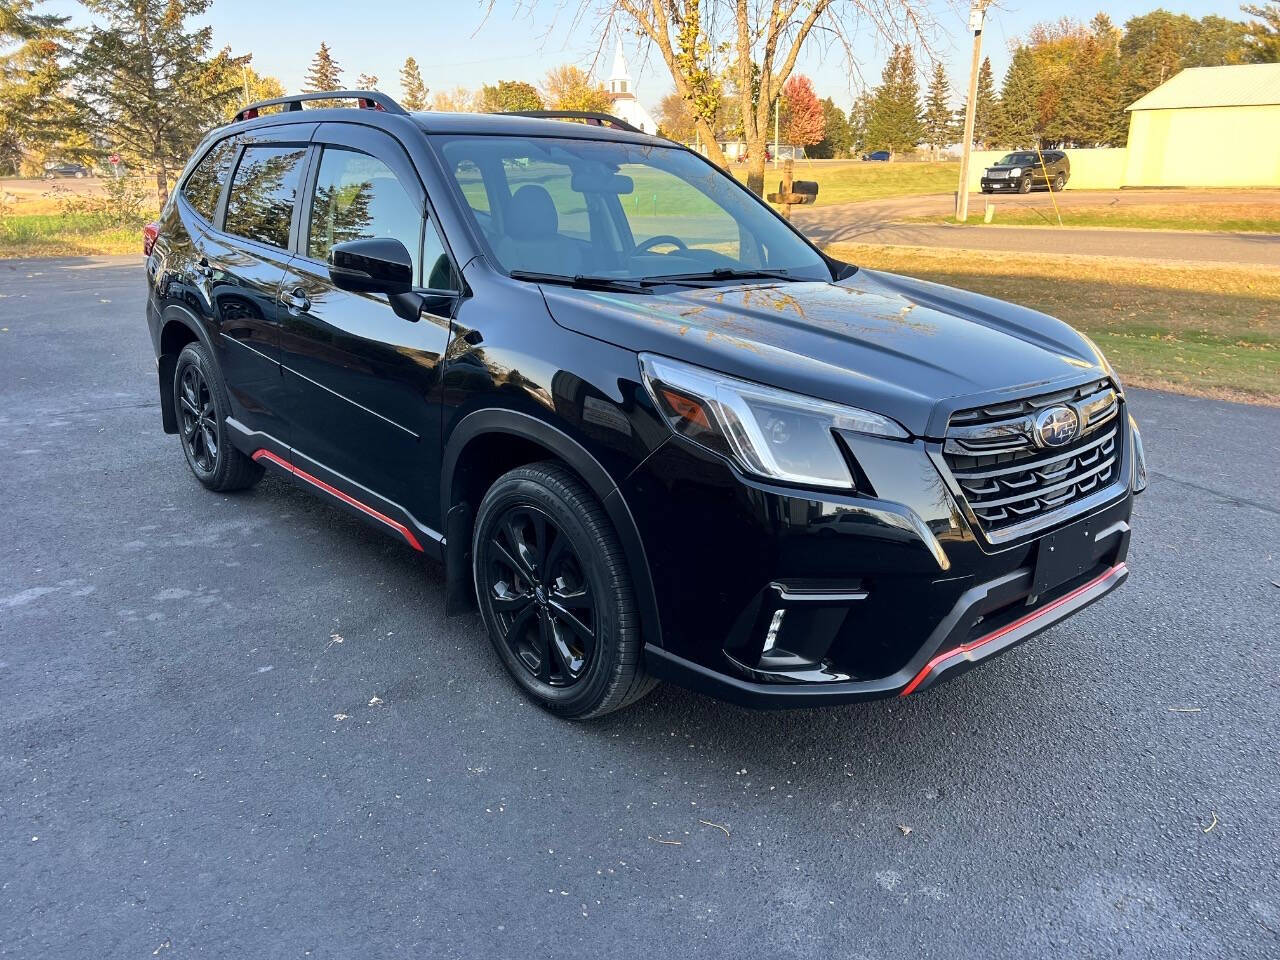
{"x":555,"y":593}
{"x":200,"y":405}
{"x":542,"y":600}
{"x":198,"y":420}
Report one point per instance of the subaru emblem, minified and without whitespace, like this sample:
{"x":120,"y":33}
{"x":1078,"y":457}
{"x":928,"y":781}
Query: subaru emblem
{"x":1056,"y":426}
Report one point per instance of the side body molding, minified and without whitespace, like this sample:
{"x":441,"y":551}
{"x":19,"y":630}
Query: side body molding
{"x":560,"y":444}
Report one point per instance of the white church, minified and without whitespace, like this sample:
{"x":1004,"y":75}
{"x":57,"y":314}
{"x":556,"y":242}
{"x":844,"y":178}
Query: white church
{"x":621,"y":90}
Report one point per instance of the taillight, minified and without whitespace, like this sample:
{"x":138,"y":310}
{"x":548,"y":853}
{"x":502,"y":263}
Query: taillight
{"x":149,"y":234}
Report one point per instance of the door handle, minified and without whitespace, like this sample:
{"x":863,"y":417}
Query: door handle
{"x":296,"y":299}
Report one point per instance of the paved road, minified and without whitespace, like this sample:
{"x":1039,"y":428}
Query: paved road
{"x":880,"y":222}
{"x":190,"y":765}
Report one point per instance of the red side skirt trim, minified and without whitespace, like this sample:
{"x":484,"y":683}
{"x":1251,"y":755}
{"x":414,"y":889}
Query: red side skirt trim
{"x":974,"y":645}
{"x":301,"y":474}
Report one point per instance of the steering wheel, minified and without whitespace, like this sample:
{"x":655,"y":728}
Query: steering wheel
{"x":658,"y":241}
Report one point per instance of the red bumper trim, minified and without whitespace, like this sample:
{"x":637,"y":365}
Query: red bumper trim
{"x":965,"y":650}
{"x":301,"y":474}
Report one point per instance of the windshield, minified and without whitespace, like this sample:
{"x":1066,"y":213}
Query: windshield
{"x":628,"y":212}
{"x":1019,"y":159}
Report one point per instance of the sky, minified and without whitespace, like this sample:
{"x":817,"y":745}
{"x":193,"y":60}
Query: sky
{"x":456,"y":44}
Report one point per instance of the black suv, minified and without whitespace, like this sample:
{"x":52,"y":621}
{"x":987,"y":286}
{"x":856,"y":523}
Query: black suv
{"x":645,"y":424}
{"x":1019,"y":172}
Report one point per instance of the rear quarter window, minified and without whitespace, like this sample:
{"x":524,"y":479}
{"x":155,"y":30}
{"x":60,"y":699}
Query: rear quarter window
{"x":204,"y":184}
{"x":263,"y":191}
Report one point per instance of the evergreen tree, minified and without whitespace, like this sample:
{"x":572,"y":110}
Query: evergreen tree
{"x":367,"y":81}
{"x":859,"y":124}
{"x":509,"y":96}
{"x":895,"y":123}
{"x":1263,"y":38}
{"x":1019,"y":118}
{"x":413,"y":91}
{"x":147,"y":84}
{"x":35,"y":115}
{"x":984,"y":111}
{"x":837,"y":137}
{"x":323,"y":75}
{"x":939,"y":119}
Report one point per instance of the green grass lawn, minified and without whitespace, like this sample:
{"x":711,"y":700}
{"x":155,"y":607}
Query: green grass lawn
{"x":1211,"y":330}
{"x":61,"y":235}
{"x":1232,"y":217}
{"x":858,"y":180}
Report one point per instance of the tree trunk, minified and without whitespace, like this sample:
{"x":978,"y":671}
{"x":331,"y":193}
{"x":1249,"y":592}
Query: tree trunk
{"x":714,"y":153}
{"x":162,"y":182}
{"x":756,"y":146}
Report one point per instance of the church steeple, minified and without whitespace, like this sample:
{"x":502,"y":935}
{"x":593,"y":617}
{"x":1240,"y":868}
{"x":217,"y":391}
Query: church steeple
{"x":620,"y":80}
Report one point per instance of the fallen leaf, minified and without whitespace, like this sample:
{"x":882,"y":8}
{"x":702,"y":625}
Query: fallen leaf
{"x":375,"y":701}
{"x":339,"y":716}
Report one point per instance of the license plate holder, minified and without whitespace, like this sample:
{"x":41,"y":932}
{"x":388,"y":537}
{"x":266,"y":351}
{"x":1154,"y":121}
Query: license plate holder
{"x":1064,"y":555}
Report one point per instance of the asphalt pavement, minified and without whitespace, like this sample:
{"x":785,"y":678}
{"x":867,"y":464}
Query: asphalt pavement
{"x":242,"y":726}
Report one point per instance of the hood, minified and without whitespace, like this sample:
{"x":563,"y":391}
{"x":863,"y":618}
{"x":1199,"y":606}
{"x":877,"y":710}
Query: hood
{"x":908,"y":349}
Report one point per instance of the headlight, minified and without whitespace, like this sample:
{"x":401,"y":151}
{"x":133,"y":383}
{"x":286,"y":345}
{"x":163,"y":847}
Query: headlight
{"x":768,"y":432}
{"x":1015,"y":172}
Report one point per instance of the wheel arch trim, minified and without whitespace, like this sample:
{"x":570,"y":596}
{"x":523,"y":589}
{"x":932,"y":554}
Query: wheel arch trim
{"x":166,"y":363}
{"x":559,"y":444}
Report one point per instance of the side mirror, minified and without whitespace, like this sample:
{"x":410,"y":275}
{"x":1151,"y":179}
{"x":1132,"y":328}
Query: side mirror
{"x":377,"y":265}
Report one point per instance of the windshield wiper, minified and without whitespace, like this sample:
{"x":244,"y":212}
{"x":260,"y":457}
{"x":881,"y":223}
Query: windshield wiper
{"x":584,"y":282}
{"x":725,"y":273}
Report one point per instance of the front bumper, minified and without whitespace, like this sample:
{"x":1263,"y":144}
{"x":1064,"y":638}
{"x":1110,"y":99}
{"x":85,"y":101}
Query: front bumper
{"x":775,"y":597}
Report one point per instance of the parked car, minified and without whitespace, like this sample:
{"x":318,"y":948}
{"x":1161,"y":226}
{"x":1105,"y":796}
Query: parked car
{"x":666,"y":438}
{"x":879,"y":155}
{"x":1023,"y":170}
{"x":77,"y":170}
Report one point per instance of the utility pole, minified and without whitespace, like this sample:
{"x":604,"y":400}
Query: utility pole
{"x":977,"y":12}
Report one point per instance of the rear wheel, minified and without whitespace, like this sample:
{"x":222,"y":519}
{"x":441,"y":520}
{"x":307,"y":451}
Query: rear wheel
{"x":1059,"y":182}
{"x":555,"y":594}
{"x":200,"y":400}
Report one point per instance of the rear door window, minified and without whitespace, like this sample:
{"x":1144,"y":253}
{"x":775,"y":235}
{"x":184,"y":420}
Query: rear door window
{"x":357,"y":198}
{"x":204,"y":184}
{"x":260,"y":205}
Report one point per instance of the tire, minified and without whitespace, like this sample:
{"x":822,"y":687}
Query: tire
{"x":1059,"y":182}
{"x":201,"y":406}
{"x":79,"y":174}
{"x":555,"y":594}
{"x":1025,"y":185}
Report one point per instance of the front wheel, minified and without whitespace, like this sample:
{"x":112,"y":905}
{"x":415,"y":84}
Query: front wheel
{"x":555,"y":593}
{"x":1025,"y":185}
{"x":200,"y":401}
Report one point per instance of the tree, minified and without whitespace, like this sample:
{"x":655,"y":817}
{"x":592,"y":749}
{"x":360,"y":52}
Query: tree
{"x":1019,"y":117}
{"x":413,"y":94}
{"x":985,"y":106}
{"x":457,"y":100}
{"x":35,"y":115}
{"x":509,"y":96}
{"x":895,"y":123}
{"x":837,"y":138}
{"x":803,"y":121}
{"x":939,"y":119}
{"x":323,"y":75}
{"x":860,"y":123}
{"x":568,"y":88}
{"x":250,"y":87}
{"x":146,"y":83}
{"x":1263,"y":35}
{"x":764,"y":41}
{"x":675,"y":119}
{"x":367,"y":81}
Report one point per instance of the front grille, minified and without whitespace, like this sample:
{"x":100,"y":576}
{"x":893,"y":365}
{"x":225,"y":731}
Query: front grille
{"x":1008,"y":478}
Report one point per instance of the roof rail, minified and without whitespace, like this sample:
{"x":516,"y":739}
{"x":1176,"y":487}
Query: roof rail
{"x":365,"y":100}
{"x":589,"y":116}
